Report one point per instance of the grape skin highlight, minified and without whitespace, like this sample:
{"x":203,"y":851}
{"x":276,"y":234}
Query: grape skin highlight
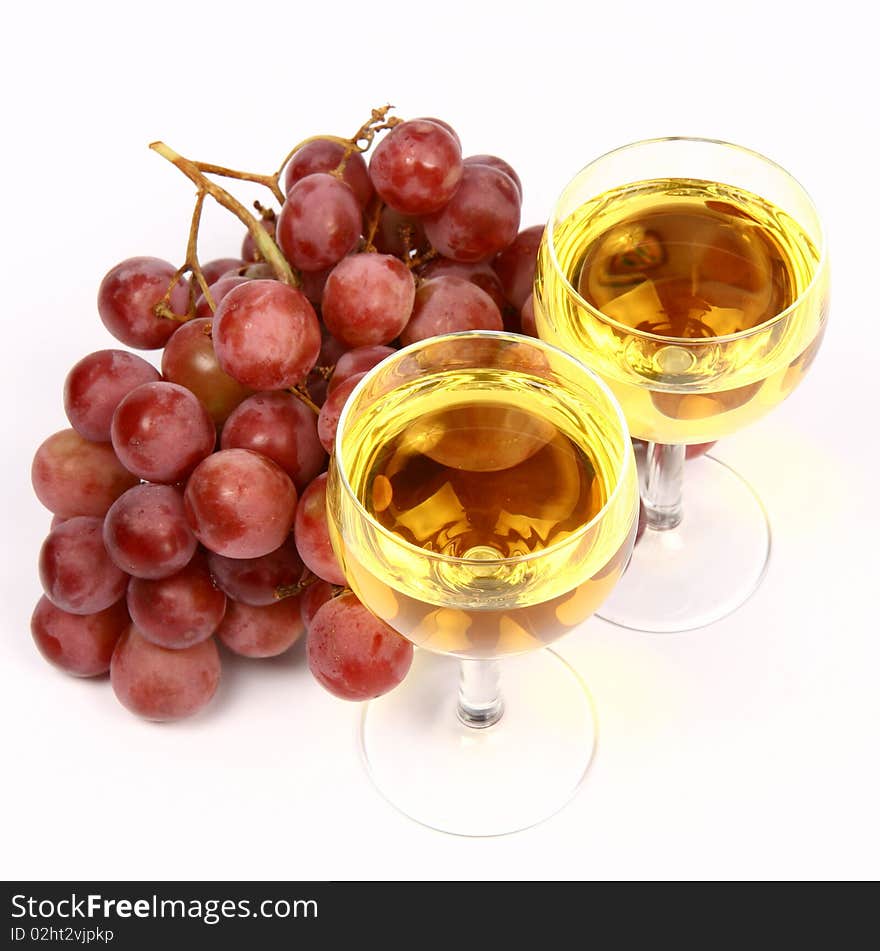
{"x":146,"y":532}
{"x":72,"y":476}
{"x":319,"y":223}
{"x":161,"y":684}
{"x":240,"y":504}
{"x":417,"y":167}
{"x":352,"y":653}
{"x":266,"y":335}
{"x":78,"y":644}
{"x":76,"y":571}
{"x":368,"y":299}
{"x":481,"y":219}
{"x":161,"y":432}
{"x":179,"y":610}
{"x":282,"y":428}
{"x":127,"y":296}
{"x":264,"y":631}
{"x":450,"y":304}
{"x":97,"y":384}
{"x":189,"y":359}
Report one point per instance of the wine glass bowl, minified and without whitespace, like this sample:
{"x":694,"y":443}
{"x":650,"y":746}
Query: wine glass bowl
{"x":454,"y":568}
{"x":482,"y":499}
{"x":698,"y":385}
{"x":692,"y":276}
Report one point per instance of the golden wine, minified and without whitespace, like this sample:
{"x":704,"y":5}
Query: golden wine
{"x":483,"y":480}
{"x":648,"y":283}
{"x":478,"y":484}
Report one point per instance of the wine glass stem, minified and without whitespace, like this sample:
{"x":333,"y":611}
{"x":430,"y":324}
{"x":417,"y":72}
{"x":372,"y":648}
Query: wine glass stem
{"x":479,"y":694}
{"x":663,"y":486}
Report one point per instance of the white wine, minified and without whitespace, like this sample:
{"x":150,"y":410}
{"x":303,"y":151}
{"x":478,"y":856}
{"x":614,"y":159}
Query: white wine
{"x":483,"y":489}
{"x":483,"y":480}
{"x":648,"y":283}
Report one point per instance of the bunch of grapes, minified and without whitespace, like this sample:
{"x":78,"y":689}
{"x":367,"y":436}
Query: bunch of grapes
{"x":189,"y":501}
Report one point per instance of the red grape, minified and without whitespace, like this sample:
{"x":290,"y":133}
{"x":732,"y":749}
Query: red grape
{"x":249,"y":251}
{"x":331,"y":350}
{"x":527,"y":317}
{"x":146,"y":532}
{"x":96,"y":385}
{"x":516,"y":264}
{"x":219,"y":289}
{"x":313,"y":283}
{"x":443,"y":125}
{"x":315,"y":595}
{"x":73,"y":476}
{"x":447,"y":304}
{"x":320,"y":222}
{"x":56,"y":521}
{"x":312,"y":535}
{"x":355,"y":362}
{"x":240,"y":504}
{"x":261,"y":631}
{"x":127,"y":296}
{"x":76,"y":571}
{"x":368,"y":299}
{"x":161,"y":432}
{"x":480,"y":219}
{"x":266,"y":335}
{"x":328,"y":418}
{"x":325,"y":156}
{"x":399,"y":234}
{"x":220,"y":267}
{"x":189,"y":359}
{"x":494,"y":162}
{"x":80,"y":644}
{"x":180,"y":610}
{"x":161,"y":684}
{"x":316,"y":387}
{"x":352,"y":653}
{"x":282,"y":428}
{"x":256,"y":580}
{"x":477,"y":272}
{"x":417,"y":167}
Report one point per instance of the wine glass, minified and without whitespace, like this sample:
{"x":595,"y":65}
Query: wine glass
{"x":483,"y":500}
{"x":692,"y":276}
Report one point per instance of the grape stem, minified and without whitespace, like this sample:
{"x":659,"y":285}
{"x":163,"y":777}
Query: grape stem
{"x":292,"y":590}
{"x":375,"y":210}
{"x":420,"y":259}
{"x":262,"y":239}
{"x":302,"y":395}
{"x":414,"y":261}
{"x":269,"y":181}
{"x":359,"y":142}
{"x":267,"y":214}
{"x":190,"y":265}
{"x":266,"y":245}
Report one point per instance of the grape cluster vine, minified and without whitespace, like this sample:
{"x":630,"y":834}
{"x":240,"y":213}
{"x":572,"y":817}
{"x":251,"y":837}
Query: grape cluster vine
{"x":198,"y":172}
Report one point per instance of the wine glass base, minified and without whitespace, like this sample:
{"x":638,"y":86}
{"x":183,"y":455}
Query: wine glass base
{"x":705,"y":568}
{"x":481,"y":782}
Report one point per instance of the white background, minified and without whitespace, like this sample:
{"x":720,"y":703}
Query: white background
{"x":748,"y":749}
